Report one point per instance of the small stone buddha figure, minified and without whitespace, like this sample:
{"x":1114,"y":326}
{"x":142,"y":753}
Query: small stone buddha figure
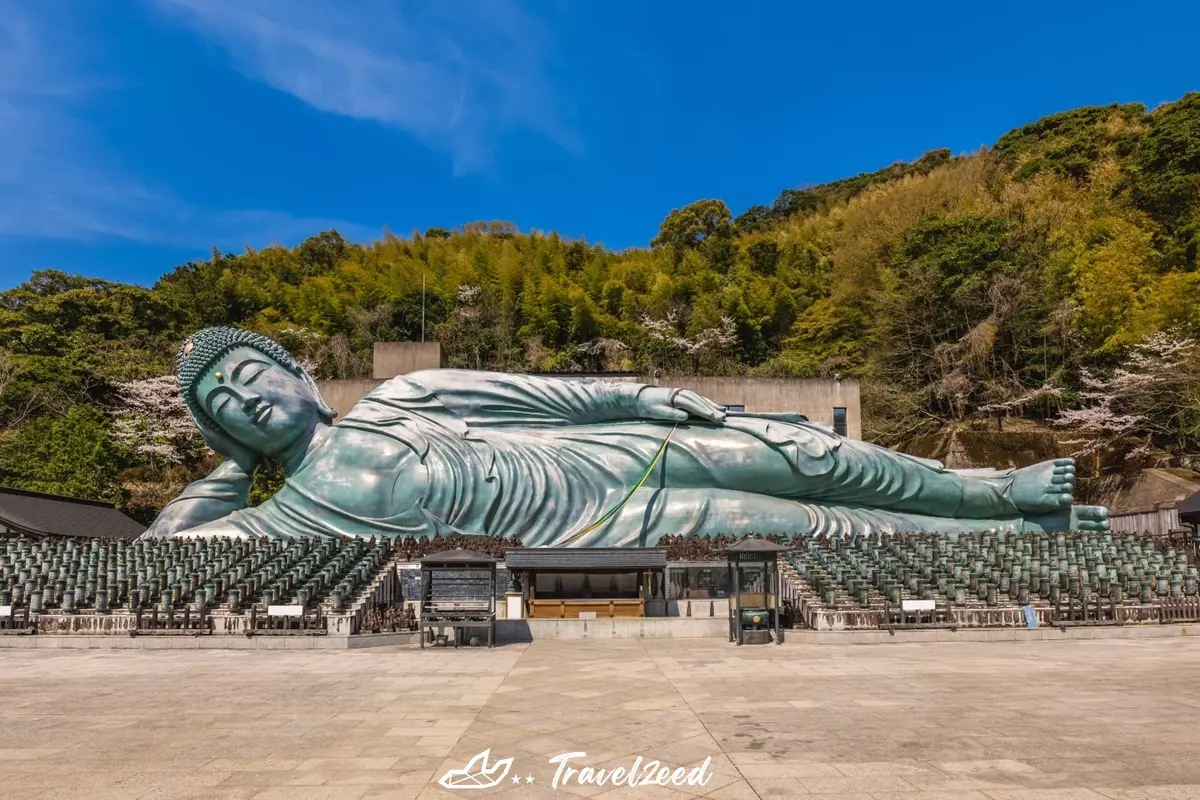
{"x":559,"y":462}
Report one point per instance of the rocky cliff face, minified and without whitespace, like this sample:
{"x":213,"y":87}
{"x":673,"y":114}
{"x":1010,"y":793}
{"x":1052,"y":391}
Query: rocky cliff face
{"x":1107,"y":479}
{"x":966,"y":446}
{"x":1017,"y":443}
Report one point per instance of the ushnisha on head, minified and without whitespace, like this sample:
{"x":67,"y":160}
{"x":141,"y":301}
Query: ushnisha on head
{"x":246,"y":394}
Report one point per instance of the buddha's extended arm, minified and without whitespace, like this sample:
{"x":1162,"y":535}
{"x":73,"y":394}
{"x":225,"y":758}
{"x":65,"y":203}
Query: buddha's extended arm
{"x":225,"y":490}
{"x":492,"y":398}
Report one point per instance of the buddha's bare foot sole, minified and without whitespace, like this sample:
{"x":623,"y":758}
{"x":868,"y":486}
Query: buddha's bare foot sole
{"x":1045,"y":488}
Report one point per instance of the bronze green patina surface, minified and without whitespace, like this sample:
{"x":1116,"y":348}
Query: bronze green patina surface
{"x":560,"y":462}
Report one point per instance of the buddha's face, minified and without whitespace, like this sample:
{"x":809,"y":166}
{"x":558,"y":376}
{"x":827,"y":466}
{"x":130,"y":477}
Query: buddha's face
{"x":257,"y":401}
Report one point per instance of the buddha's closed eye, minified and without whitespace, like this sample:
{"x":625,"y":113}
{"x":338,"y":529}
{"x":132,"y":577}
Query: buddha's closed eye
{"x":249,"y":372}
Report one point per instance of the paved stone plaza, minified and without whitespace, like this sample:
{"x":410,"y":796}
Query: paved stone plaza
{"x":1007,"y":721}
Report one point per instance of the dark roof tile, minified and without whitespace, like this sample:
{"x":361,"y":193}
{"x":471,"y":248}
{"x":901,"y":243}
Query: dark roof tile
{"x":38,"y":513}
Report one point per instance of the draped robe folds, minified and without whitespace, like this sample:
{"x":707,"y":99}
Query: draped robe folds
{"x":544,"y":459}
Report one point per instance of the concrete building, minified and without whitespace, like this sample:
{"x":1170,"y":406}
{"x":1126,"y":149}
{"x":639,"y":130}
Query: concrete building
{"x":390,"y":359}
{"x":834,"y":402}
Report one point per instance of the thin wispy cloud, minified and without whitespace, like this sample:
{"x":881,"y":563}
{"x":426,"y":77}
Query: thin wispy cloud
{"x":456,"y":75}
{"x":58,"y":180}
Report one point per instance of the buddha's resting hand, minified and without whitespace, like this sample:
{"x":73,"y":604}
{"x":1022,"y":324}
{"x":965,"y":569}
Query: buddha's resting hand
{"x":224,"y":491}
{"x":677,"y":405}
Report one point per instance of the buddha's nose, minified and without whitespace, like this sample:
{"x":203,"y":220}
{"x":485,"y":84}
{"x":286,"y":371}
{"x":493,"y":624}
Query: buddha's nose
{"x":250,"y":402}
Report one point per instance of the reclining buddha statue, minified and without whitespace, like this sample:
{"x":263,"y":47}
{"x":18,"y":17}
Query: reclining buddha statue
{"x":559,"y":462}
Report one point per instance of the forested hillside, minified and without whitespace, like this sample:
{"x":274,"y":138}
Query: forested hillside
{"x":1052,"y":276}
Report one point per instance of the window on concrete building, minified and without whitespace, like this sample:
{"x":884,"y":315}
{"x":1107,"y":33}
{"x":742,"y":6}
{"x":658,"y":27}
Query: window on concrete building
{"x":735,"y":408}
{"x":839,"y":421}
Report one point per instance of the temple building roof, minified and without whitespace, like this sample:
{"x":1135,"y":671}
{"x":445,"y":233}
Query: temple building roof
{"x":38,"y":513}
{"x":1154,"y":488}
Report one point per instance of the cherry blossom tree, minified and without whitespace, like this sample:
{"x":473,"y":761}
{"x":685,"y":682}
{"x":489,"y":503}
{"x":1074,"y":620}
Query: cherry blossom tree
{"x":603,"y":353}
{"x":150,"y":418}
{"x":707,"y":344}
{"x":1151,"y":399}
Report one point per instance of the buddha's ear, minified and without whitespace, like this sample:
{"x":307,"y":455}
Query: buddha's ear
{"x":327,"y":413}
{"x":222,"y":444}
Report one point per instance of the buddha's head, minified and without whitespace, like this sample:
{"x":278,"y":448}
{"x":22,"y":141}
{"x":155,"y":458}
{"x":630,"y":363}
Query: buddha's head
{"x":246,"y":394}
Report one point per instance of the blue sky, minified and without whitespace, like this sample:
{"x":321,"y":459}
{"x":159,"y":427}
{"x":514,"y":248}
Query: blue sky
{"x":136,"y":135}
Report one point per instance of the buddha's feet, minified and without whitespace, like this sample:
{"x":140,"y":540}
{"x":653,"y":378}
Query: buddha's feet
{"x":1089,"y":518}
{"x":1045,"y":488}
{"x":1075,"y":518}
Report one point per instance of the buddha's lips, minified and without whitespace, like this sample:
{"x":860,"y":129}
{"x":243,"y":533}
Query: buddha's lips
{"x":261,"y":413}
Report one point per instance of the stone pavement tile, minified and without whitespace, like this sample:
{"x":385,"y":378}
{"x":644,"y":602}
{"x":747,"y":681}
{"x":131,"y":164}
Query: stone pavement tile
{"x":356,"y":763}
{"x":738,"y":790}
{"x":1164,"y":792}
{"x":575,"y":789}
{"x":860,"y":784}
{"x":685,"y":751}
{"x":438,"y":741}
{"x":28,"y":753}
{"x":790,"y":769}
{"x":69,"y":764}
{"x":375,"y":778}
{"x":21,"y":781}
{"x":649,"y":792}
{"x":311,"y":793}
{"x":778,"y":787}
{"x":312,"y":747}
{"x":201,"y":793}
{"x":1067,"y":780}
{"x":426,"y":731}
{"x":958,"y":794}
{"x":438,"y":793}
{"x":85,"y":793}
{"x":275,"y":778}
{"x":957,"y":783}
{"x":717,"y":779}
{"x":393,"y":793}
{"x":1086,"y":764}
{"x":868,"y":768}
{"x":523,"y":790}
{"x":249,"y":764}
{"x":1044,"y":794}
{"x":160,"y":779}
{"x":984,"y":766}
{"x":759,"y":757}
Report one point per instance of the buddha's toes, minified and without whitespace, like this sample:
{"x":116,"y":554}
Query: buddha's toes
{"x":1045,"y":487}
{"x":1089,"y":518}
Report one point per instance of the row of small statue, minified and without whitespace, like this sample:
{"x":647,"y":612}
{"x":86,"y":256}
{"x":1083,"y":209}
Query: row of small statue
{"x":993,"y":570}
{"x":389,"y":618}
{"x":73,"y":574}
